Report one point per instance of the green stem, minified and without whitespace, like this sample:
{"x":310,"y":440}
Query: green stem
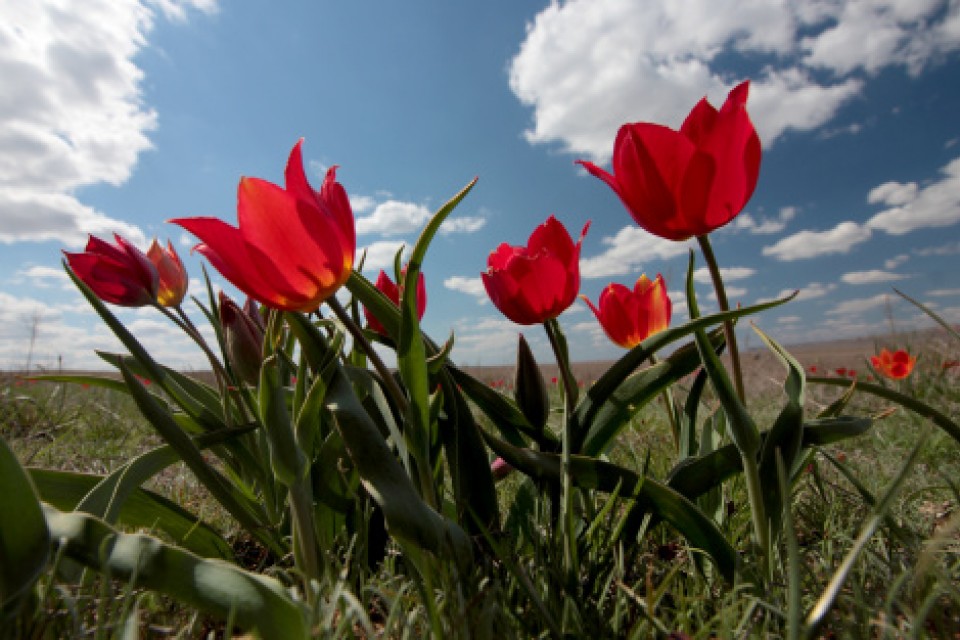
{"x":751,"y":474}
{"x":389,"y":383}
{"x":305,"y":543}
{"x":567,"y":529}
{"x":667,"y":398}
{"x":728,"y":329}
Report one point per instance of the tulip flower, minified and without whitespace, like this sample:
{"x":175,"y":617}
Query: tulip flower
{"x":120,"y":274}
{"x":293,"y":248}
{"x":243,"y":334}
{"x":390,"y":289}
{"x":173,"y":277}
{"x":894,"y":365}
{"x":535,"y":283}
{"x":678,"y":184}
{"x":630,"y":317}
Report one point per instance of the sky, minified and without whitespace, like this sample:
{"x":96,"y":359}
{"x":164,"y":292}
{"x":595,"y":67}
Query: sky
{"x":117,"y":115}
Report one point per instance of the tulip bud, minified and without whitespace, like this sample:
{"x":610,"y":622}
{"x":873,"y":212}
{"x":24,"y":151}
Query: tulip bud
{"x":243,"y":334}
{"x":173,"y":276}
{"x":529,"y":389}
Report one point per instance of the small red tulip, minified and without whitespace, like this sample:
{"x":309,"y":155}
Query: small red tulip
{"x":120,"y":274}
{"x":841,"y":371}
{"x":538,"y":282}
{"x":630,"y":317}
{"x":678,"y":184}
{"x":243,"y":337}
{"x":896,"y":365}
{"x":392,"y":290}
{"x":173,"y":277}
{"x":294,"y":246}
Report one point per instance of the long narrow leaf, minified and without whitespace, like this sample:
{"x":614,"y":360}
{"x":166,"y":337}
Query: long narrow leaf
{"x":251,"y":600}
{"x":24,"y":538}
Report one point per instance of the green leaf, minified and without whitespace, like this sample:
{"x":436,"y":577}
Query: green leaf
{"x":688,"y":421}
{"x":141,"y":510}
{"x":590,"y":473}
{"x":529,"y":388}
{"x":943,"y":323}
{"x":920,"y":408}
{"x":287,"y":460}
{"x":252,"y":601}
{"x":633,"y":394}
{"x":24,"y":538}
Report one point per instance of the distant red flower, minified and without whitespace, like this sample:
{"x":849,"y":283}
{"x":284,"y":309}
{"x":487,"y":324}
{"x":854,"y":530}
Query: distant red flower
{"x":118,"y":273}
{"x":538,"y":282}
{"x":393,"y":291}
{"x":841,"y":371}
{"x":293,"y":248}
{"x":851,"y":373}
{"x":813,"y":368}
{"x":950,"y":364}
{"x":896,"y":365}
{"x":630,"y":317}
{"x":173,"y":276}
{"x":678,"y":184}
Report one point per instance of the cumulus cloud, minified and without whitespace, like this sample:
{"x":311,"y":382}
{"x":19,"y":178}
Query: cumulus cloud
{"x":628,"y":251}
{"x":810,"y":244}
{"x":858,"y":306}
{"x":587,"y":66}
{"x":381,"y":254}
{"x":896,"y":261}
{"x":398,"y":218}
{"x":943,"y":293}
{"x":470,"y":286}
{"x":71,"y":111}
{"x":463,"y":224}
{"x":935,"y":205}
{"x":873,"y":276}
{"x":765,"y":226}
{"x":729,"y":274}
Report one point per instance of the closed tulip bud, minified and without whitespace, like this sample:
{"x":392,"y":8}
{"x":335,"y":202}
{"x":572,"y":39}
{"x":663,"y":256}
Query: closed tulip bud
{"x":530,"y":391}
{"x":118,"y":273}
{"x":243,"y":334}
{"x":173,"y":276}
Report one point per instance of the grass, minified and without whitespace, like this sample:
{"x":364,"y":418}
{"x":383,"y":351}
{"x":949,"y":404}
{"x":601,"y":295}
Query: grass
{"x":905,"y":583}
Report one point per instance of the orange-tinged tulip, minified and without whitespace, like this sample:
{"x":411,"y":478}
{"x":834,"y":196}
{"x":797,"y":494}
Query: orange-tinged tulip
{"x":896,"y":365}
{"x":120,"y":274}
{"x":678,"y":184}
{"x":293,"y":248}
{"x":173,"y":277}
{"x":535,"y":283}
{"x":392,"y":290}
{"x":630,"y":317}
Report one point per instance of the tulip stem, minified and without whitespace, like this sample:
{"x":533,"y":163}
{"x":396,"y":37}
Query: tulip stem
{"x":728,"y":330}
{"x":389,"y":382}
{"x":558,"y":343}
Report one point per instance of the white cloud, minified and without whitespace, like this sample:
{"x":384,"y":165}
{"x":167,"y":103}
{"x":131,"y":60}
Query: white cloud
{"x":896,"y":261}
{"x":944,"y":293}
{"x":733,"y":294}
{"x":858,"y":306}
{"x":43,"y":277}
{"x":463,"y":224}
{"x":628,"y":251}
{"x":362,"y":204}
{"x":810,"y":244}
{"x":893,"y":193}
{"x":587,"y":66}
{"x":381,"y":254}
{"x":949,"y":249}
{"x":398,"y":218}
{"x":766,"y":226}
{"x":470,"y":286}
{"x":935,"y":205}
{"x":809,"y":292}
{"x":71,"y":111}
{"x":729,"y":274}
{"x":873,"y":276}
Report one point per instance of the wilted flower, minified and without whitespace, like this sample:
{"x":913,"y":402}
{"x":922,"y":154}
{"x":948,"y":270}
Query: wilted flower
{"x":120,"y":274}
{"x":393,"y":291}
{"x":894,"y":365}
{"x":678,"y":184}
{"x":630,"y":317}
{"x":294,"y":246}
{"x":243,"y":334}
{"x":538,"y":282}
{"x":173,"y":277}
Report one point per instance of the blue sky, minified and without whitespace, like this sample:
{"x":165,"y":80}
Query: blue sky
{"x":119,"y":114}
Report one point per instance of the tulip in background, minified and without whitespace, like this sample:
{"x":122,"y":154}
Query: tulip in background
{"x":243,"y":332}
{"x":896,"y":365}
{"x":393,"y":291}
{"x":118,"y":273}
{"x":630,"y":317}
{"x":679,"y":184}
{"x":294,"y":246}
{"x":538,"y":282}
{"x":173,"y":276}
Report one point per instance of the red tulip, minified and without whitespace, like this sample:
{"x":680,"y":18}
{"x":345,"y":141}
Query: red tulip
{"x":678,"y":184}
{"x":894,"y":365}
{"x":630,"y":317}
{"x":243,"y":336}
{"x":294,"y":246}
{"x":120,"y":274}
{"x":535,"y":283}
{"x":390,"y":289}
{"x":173,"y":277}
